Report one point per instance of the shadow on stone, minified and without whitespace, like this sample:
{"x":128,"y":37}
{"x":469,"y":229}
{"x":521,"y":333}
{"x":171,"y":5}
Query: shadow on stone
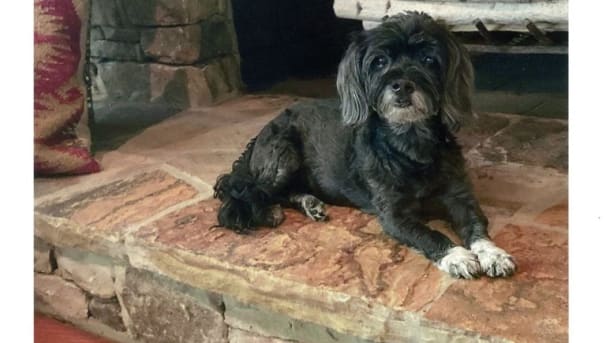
{"x":117,"y":123}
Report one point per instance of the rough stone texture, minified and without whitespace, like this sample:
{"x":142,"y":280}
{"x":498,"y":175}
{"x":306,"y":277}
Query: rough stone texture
{"x":223,"y":78}
{"x":241,"y":336}
{"x":107,"y":311}
{"x":217,"y":38}
{"x":92,"y":273}
{"x":247,"y":319}
{"x":169,"y":12}
{"x":532,"y":306}
{"x":119,"y":34}
{"x":166,"y":312}
{"x":134,"y":88}
{"x":129,"y":38}
{"x":97,"y":218}
{"x":62,"y":297}
{"x":230,"y":66}
{"x":179,"y":86}
{"x":96,"y":33}
{"x":108,"y":12}
{"x":119,"y":51}
{"x":531,"y":141}
{"x":184,"y":86}
{"x":476,"y":130}
{"x":43,"y":257}
{"x":173,"y":45}
{"x":117,"y":205}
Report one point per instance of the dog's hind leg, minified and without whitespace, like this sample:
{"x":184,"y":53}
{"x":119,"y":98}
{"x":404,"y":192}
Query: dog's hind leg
{"x":259,"y":180}
{"x":309,"y":205}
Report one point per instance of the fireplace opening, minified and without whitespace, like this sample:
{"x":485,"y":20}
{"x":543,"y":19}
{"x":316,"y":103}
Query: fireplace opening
{"x":280,"y":39}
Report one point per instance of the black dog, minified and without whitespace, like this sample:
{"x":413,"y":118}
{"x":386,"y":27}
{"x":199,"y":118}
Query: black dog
{"x":387,"y":148}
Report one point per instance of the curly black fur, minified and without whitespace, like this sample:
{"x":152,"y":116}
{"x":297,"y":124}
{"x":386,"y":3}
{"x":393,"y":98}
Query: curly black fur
{"x":386,"y":147}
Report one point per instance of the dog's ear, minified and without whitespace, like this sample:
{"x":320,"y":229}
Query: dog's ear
{"x":354,"y":105}
{"x":456,"y":106}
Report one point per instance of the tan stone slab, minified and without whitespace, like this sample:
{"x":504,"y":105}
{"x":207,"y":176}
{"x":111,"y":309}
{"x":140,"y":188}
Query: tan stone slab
{"x":108,"y":312}
{"x":515,"y":189}
{"x":61,"y":297}
{"x":272,"y":324}
{"x":241,"y":336}
{"x":43,"y":254}
{"x":93,"y":275}
{"x":161,"y":311}
{"x":114,"y":164}
{"x":174,"y":44}
{"x":192,"y":130}
{"x":532,"y":306}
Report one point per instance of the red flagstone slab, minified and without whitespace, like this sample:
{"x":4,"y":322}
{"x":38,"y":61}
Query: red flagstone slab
{"x":555,"y":216}
{"x":539,"y":253}
{"x":532,"y":306}
{"x":117,"y":205}
{"x":349,"y":253}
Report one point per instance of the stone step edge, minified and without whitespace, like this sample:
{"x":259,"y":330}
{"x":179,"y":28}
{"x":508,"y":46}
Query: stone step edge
{"x":380,"y":322}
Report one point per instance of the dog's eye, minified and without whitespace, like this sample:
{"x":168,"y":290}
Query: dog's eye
{"x":428,"y":60}
{"x":379,"y":62}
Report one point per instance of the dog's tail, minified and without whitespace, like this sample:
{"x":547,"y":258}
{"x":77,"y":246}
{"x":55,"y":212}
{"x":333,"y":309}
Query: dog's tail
{"x":245,"y":203}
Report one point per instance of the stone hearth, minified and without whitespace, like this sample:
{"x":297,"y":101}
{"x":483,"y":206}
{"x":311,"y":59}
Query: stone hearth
{"x":132,"y":252}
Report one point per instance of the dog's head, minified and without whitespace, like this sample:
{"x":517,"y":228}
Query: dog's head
{"x":406,"y":70}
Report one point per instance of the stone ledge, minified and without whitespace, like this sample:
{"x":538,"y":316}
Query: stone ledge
{"x":343,"y":279}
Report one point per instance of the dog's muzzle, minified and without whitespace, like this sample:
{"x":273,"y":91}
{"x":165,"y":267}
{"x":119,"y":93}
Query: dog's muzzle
{"x":403,"y":102}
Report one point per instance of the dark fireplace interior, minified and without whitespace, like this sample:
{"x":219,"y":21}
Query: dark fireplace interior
{"x":279,"y":39}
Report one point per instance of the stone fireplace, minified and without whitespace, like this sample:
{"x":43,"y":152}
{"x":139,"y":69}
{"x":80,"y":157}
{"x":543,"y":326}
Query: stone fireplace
{"x":178,"y":53}
{"x":193,"y":53}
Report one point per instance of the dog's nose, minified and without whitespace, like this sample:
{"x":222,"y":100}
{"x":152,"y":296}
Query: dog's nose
{"x":406,"y":86}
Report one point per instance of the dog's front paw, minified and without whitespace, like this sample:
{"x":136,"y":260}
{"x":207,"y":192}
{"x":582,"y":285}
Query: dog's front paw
{"x":495,"y":261}
{"x":460,"y":263}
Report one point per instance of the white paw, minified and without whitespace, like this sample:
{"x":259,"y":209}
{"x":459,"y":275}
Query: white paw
{"x":460,"y":263}
{"x":495,"y":261}
{"x":313,"y":207}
